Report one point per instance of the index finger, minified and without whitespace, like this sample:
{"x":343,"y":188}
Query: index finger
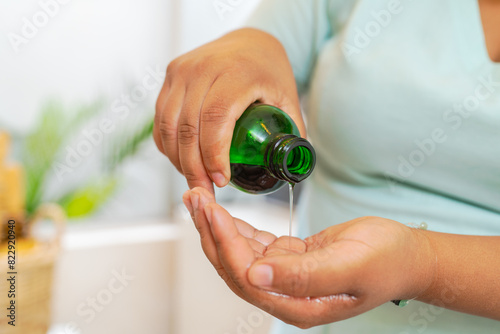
{"x":223,"y":105}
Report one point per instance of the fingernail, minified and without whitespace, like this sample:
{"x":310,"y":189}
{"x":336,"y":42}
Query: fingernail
{"x":187,"y":203}
{"x":219,"y":179}
{"x":261,"y":275}
{"x":195,"y":199}
{"x":189,"y":207}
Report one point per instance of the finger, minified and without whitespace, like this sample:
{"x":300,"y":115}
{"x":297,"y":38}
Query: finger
{"x":186,"y":199}
{"x":247,"y":230}
{"x":223,"y":105}
{"x":197,"y":199}
{"x":166,"y":120}
{"x":188,"y":137}
{"x":322,"y":272}
{"x":160,"y":105}
{"x":235,"y":252}
{"x":285,"y":245}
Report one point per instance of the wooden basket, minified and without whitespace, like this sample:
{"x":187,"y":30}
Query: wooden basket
{"x":33,"y":281}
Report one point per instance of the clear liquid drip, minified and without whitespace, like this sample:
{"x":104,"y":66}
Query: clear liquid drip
{"x":290,"y":191}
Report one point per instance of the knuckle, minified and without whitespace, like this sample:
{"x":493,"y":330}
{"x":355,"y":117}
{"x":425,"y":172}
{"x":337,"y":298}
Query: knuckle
{"x":216,"y":113}
{"x":174,"y":66}
{"x":188,"y":134}
{"x":204,"y":237}
{"x":188,"y":65}
{"x":167,"y":130}
{"x":190,"y":175}
{"x":203,"y":66}
{"x":158,"y":106}
{"x":208,"y":62}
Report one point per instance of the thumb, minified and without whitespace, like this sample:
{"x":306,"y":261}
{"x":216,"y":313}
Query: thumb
{"x":312,"y":274}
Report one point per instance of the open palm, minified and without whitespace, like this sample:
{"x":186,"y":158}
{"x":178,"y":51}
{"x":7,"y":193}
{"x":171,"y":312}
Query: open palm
{"x":338,"y":273}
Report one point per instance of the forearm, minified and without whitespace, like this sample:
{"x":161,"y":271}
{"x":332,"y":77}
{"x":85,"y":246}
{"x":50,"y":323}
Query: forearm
{"x":466,"y":273}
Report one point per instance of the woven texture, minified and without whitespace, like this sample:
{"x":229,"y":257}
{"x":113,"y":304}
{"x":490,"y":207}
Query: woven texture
{"x":35,"y":261}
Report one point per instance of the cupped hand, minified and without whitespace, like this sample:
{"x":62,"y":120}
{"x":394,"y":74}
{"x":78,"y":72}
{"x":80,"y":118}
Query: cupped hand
{"x":336,"y":274}
{"x":207,"y":90}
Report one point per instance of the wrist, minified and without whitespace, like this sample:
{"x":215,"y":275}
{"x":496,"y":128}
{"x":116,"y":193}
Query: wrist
{"x":425,"y":265}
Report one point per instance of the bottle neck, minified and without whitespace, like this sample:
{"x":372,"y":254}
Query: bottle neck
{"x":290,"y":158}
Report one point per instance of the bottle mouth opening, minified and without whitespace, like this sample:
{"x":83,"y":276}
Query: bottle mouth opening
{"x":299,"y":160}
{"x":294,"y":159}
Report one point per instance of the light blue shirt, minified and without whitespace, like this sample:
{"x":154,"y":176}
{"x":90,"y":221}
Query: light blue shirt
{"x":403,"y":109}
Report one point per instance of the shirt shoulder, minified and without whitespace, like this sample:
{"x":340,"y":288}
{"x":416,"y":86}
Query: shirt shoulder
{"x":302,"y":27}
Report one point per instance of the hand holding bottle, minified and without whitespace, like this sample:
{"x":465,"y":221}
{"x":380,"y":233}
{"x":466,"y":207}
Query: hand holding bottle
{"x":206,"y":91}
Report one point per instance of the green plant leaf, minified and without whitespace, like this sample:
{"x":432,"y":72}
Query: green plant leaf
{"x":85,"y":201}
{"x":40,"y":149}
{"x":43,"y":144}
{"x":127,"y":145}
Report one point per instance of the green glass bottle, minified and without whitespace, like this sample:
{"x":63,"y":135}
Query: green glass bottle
{"x":267,"y":151}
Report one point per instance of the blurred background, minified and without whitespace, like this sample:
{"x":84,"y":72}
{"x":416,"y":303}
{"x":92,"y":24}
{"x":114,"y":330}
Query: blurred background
{"x":79,"y":81}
